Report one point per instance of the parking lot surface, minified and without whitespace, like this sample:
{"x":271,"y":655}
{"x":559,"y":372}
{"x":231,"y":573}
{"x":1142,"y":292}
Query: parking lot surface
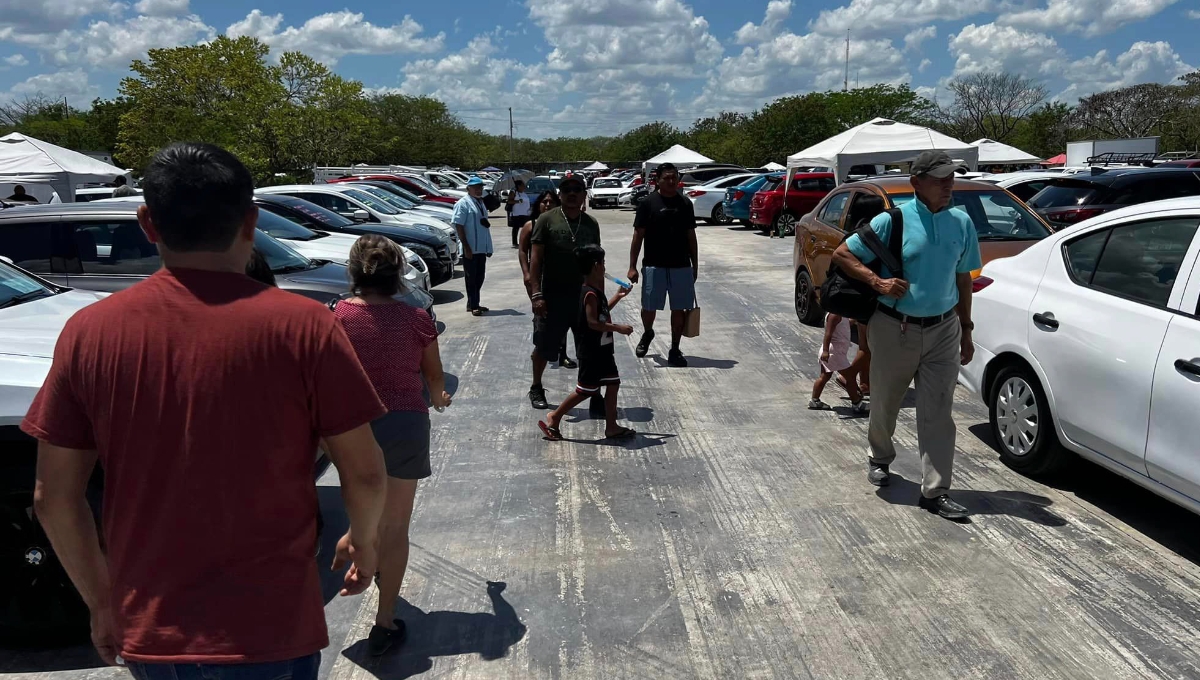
{"x":737,"y":536}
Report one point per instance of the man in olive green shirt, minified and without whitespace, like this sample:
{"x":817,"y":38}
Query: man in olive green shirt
{"x":555,"y":278}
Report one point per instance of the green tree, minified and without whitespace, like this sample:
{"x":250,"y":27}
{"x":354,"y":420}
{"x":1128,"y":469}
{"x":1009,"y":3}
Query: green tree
{"x":1046,"y":131}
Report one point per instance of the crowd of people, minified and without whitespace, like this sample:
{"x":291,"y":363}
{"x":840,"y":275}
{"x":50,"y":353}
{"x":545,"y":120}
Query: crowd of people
{"x":226,"y":579}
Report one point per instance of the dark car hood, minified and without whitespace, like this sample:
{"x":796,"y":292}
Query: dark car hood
{"x":401,"y":232}
{"x":330,"y":280}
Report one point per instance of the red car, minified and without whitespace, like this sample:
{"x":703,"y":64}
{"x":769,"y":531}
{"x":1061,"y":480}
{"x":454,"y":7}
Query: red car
{"x":428,"y":193}
{"x":808,"y":188}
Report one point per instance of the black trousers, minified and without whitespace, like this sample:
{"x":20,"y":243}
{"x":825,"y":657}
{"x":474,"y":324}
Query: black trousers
{"x":474,"y":268}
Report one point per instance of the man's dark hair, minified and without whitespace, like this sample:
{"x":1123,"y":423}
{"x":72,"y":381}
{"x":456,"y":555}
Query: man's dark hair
{"x":119,"y":181}
{"x":666,"y":168}
{"x":198,"y":196}
{"x":519,"y":184}
{"x":588,"y":257}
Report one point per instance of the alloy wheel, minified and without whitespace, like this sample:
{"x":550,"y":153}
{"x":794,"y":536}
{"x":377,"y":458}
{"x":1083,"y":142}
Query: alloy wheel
{"x":787,"y":224}
{"x":1017,"y":416}
{"x":719,"y":215}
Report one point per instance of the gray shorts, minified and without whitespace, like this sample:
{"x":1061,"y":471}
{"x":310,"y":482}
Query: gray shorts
{"x":404,"y":438}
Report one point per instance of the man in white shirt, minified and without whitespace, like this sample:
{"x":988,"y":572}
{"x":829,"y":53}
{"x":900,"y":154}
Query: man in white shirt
{"x":474,"y":231}
{"x":518,"y":209}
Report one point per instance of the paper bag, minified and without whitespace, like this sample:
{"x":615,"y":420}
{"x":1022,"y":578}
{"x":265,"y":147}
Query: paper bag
{"x":691,"y":323}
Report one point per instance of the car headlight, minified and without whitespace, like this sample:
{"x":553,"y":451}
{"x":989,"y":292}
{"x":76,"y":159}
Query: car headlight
{"x":423,"y":251}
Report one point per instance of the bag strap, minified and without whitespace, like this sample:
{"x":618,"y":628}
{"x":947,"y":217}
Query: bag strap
{"x":896,"y":242}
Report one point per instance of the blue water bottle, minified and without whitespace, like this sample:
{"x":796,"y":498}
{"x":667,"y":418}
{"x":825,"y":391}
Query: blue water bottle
{"x":624,"y":284}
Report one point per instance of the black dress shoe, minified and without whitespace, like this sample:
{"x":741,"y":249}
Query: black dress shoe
{"x":878,"y":475}
{"x":643,"y":345}
{"x":943,"y":505}
{"x":567,"y":362}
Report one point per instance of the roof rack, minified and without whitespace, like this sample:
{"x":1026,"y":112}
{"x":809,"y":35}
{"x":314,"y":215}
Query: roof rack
{"x":1123,"y":158}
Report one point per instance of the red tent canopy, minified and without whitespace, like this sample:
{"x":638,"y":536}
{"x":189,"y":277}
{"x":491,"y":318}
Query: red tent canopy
{"x":1060,"y":159}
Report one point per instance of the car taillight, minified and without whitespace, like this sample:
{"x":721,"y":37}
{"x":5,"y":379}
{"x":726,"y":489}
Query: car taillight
{"x":694,"y":194}
{"x":979,"y":283}
{"x":737,"y":195}
{"x":1073,"y":216}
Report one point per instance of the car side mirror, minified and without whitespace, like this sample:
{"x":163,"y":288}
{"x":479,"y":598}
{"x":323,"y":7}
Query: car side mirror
{"x":360,"y":216}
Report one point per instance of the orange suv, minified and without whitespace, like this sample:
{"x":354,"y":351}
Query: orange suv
{"x":1005,"y":226}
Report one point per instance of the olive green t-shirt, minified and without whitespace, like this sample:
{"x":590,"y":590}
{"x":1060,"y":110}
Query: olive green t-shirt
{"x":559,"y":238}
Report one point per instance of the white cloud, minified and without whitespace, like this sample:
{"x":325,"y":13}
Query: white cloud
{"x":913,"y":40}
{"x":1193,"y":14}
{"x":16,"y":60}
{"x":925,"y":63}
{"x":114,"y":45}
{"x":72,"y":84}
{"x":47,"y":16}
{"x":992,"y":47}
{"x":331,"y":36}
{"x":751,"y":33}
{"x":1089,"y":17}
{"x":162,"y":8}
{"x":867,"y":18}
{"x":1143,"y":62}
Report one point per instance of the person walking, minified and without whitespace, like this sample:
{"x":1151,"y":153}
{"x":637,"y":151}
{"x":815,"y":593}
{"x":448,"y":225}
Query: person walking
{"x":834,"y":360}
{"x":397,"y":345}
{"x":475,"y":232}
{"x":597,"y":356}
{"x":210,"y":507}
{"x":122,"y":188}
{"x":548,"y":200}
{"x":554,"y":276}
{"x":922,"y":327}
{"x":666,"y":222}
{"x":518,"y":210}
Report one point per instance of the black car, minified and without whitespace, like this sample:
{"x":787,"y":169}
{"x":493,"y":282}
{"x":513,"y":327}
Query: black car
{"x":100,"y":246}
{"x":1072,"y":199}
{"x":431,"y":248}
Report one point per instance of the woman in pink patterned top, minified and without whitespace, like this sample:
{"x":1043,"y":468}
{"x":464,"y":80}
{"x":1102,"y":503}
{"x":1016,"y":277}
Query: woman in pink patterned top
{"x":397,"y":345}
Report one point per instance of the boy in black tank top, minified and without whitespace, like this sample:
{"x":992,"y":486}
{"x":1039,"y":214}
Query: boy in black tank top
{"x":594,"y":348}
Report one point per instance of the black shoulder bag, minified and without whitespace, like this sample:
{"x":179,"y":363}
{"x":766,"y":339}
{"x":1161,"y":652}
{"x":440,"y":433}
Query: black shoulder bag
{"x":845,"y":295}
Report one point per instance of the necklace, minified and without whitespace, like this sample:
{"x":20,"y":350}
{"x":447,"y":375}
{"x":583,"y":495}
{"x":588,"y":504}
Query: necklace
{"x":574,"y":232}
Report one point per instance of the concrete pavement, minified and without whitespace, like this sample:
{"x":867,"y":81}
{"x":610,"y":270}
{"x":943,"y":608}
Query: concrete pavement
{"x":737,"y":536}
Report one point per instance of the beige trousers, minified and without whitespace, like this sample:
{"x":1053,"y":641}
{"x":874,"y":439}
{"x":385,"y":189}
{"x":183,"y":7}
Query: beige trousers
{"x":931,"y":356}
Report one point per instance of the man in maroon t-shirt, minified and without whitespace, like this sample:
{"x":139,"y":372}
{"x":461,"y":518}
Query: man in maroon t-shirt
{"x":203,"y":394}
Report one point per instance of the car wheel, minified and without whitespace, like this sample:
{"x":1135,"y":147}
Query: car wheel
{"x":785,"y":224}
{"x":718,"y":215}
{"x":746,"y":223}
{"x":1022,"y":424}
{"x":807,"y":310}
{"x":37,"y":600}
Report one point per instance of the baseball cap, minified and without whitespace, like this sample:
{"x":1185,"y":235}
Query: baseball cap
{"x":474,"y":182}
{"x":937,"y":164}
{"x":573,"y":179}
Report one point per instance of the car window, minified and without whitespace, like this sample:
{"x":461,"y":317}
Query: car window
{"x":282,"y":228}
{"x":28,"y":245}
{"x":835,"y":208}
{"x":1027,"y":190}
{"x":386,"y":196}
{"x":321,"y":216}
{"x":1156,"y":187}
{"x":865,"y":206}
{"x":606,"y":184}
{"x":14,"y":284}
{"x":279,"y":257}
{"x":1136,"y":261}
{"x":371,"y":201}
{"x":114,"y":247}
{"x":996,"y":216}
{"x":1066,"y":195}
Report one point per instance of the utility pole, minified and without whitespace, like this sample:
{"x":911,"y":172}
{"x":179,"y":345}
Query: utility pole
{"x":510,"y":141}
{"x":846,"y":82}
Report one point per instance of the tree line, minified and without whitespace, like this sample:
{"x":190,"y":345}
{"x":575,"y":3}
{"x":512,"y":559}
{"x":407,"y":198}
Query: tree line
{"x":282,"y":117}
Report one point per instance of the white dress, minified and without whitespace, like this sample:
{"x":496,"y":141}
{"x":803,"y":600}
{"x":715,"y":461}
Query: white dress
{"x":839,"y":349}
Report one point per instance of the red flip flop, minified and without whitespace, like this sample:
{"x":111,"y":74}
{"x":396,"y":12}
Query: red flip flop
{"x":551,"y":433}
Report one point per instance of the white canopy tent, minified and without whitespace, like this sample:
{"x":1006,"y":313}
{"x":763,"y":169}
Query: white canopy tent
{"x":678,"y":155}
{"x":25,"y":160}
{"x":774,"y":167}
{"x":596,"y":166}
{"x":998,"y":153}
{"x":880,"y":141}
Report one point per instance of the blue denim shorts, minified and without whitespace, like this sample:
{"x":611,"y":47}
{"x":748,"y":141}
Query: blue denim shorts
{"x":303,"y":668}
{"x":659,"y":282}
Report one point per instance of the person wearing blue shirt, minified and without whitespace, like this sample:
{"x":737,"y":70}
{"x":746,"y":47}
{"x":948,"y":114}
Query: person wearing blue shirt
{"x":475,"y":231}
{"x":922,"y":326}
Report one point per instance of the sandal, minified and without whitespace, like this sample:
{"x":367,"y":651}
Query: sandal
{"x":551,"y":433}
{"x":623,"y":433}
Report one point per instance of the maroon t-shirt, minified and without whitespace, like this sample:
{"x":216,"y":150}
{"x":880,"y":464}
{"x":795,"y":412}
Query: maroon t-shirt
{"x":205,"y":395}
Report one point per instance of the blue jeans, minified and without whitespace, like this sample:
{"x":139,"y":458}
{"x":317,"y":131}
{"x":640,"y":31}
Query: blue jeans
{"x":304,"y":668}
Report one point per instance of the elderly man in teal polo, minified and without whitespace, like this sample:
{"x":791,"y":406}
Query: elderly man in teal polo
{"x":922,"y":327}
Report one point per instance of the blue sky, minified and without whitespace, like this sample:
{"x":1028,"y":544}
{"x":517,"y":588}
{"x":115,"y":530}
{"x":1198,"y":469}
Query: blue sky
{"x":604,"y":66}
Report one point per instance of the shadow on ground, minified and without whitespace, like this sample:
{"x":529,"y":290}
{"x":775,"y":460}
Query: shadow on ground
{"x":442,"y":296}
{"x":444,"y":633}
{"x":696,"y":362}
{"x":633,"y":414}
{"x":1026,"y":506}
{"x":1160,"y":520}
{"x":503,"y":312}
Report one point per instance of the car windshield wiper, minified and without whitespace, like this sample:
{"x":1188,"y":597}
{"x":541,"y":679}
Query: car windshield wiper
{"x":291,"y":268}
{"x":24,"y":297}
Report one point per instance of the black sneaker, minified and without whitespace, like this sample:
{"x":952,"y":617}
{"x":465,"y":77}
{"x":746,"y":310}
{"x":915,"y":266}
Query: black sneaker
{"x":675,"y":358}
{"x":382,"y":639}
{"x":567,"y":362}
{"x":944,"y":507}
{"x":537,"y":397}
{"x":643,"y":345}
{"x":878,"y":475}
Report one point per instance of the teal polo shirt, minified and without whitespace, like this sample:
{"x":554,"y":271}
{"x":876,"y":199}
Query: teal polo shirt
{"x":936,"y":247}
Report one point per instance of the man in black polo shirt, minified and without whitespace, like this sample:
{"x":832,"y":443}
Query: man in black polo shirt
{"x":666,"y":222}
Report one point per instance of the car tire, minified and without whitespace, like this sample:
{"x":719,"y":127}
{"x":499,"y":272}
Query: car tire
{"x":808,"y":311}
{"x":746,"y":223}
{"x":1022,"y":424}
{"x":785,"y":224}
{"x":719,"y":216}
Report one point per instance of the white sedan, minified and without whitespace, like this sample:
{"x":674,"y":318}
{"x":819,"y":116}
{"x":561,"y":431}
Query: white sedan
{"x":707,"y":198}
{"x":1089,"y":342}
{"x":606,"y":192}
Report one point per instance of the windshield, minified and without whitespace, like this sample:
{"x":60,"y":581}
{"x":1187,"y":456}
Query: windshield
{"x":387,"y":196}
{"x":278,"y":256}
{"x":406,"y":194}
{"x":1064,"y":196}
{"x":281,"y":228}
{"x":607,"y":184}
{"x":424,"y":184}
{"x":996,"y":215}
{"x":373,"y":202}
{"x":319,"y":214}
{"x":16,"y":287}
